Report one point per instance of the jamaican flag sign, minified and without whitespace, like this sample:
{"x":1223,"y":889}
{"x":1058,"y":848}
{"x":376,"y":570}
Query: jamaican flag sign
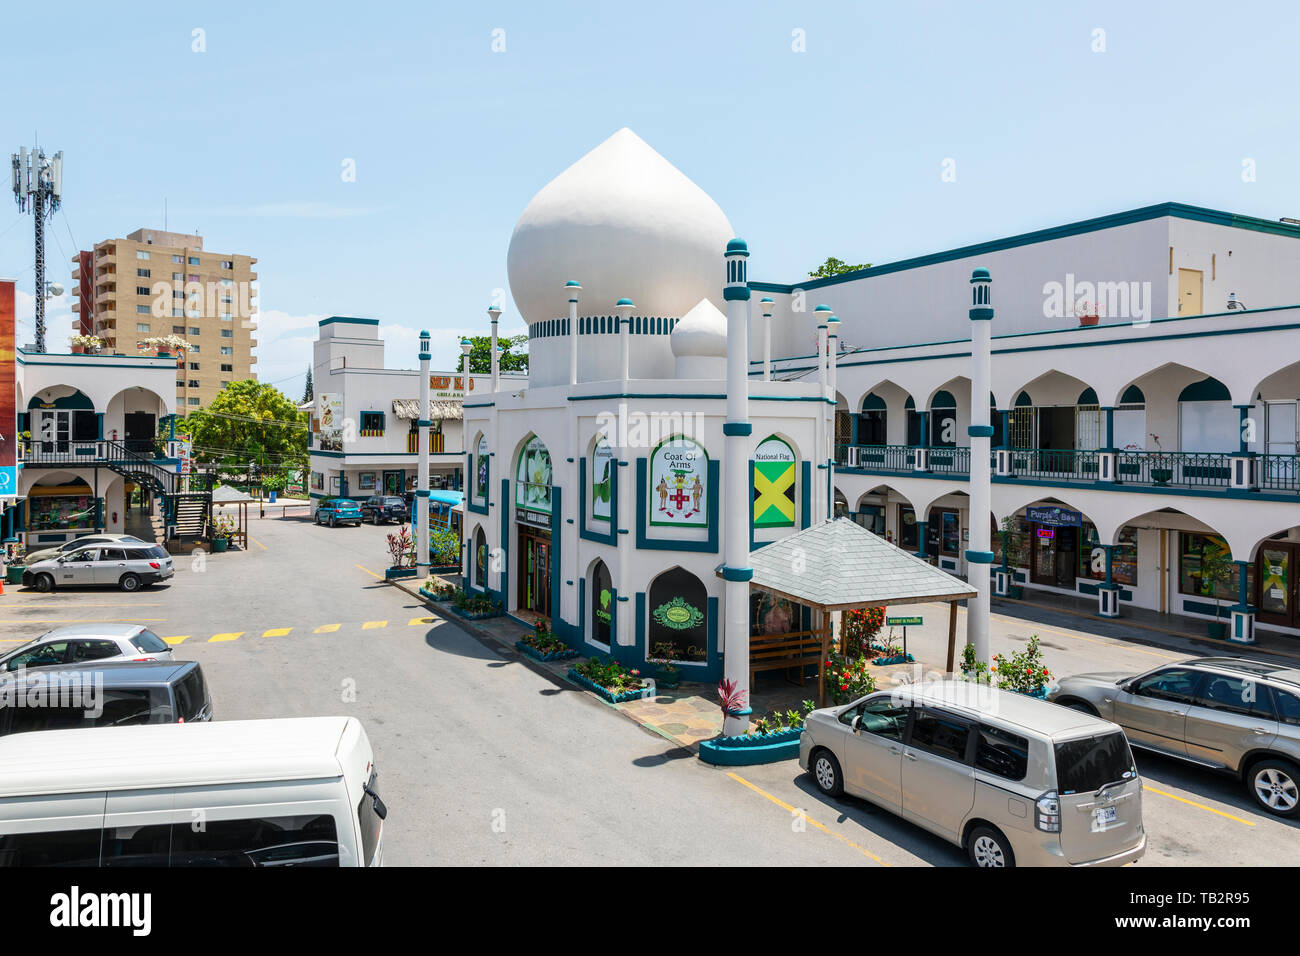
{"x":773,"y":492}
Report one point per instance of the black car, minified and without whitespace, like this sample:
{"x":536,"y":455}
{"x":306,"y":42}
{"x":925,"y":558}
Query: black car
{"x":109,"y":695}
{"x":380,"y":508}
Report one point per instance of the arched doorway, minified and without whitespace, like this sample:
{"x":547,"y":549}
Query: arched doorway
{"x":533,"y":521}
{"x":480,"y":559}
{"x":602,"y":604}
{"x":679,"y":608}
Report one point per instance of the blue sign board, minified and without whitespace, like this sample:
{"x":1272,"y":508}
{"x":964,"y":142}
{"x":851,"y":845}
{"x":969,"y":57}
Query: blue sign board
{"x":8,"y":481}
{"x":1054,"y":517}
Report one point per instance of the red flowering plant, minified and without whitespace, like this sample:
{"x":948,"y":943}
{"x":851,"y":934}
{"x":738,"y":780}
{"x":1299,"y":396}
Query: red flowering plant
{"x":730,"y":697}
{"x":1024,"y":671}
{"x":847,"y":678}
{"x":859,"y":628}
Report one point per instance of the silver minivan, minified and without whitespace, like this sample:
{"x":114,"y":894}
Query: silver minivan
{"x":1009,"y":779}
{"x":120,"y":565}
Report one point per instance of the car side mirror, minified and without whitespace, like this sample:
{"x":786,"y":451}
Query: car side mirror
{"x":857,"y":724}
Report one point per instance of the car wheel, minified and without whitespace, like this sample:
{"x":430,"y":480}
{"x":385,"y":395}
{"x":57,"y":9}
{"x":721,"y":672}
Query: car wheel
{"x":826,"y":773}
{"x":332,"y":521}
{"x":1275,"y":785}
{"x":44,"y":583}
{"x":1082,"y":706}
{"x":988,"y":848}
{"x":129,"y":582}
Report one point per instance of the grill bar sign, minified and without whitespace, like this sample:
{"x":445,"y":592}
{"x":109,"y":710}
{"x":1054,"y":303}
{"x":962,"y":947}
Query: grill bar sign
{"x":1054,"y":517}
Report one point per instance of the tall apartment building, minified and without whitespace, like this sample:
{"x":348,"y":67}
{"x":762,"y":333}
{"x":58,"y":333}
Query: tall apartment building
{"x":154,"y":283}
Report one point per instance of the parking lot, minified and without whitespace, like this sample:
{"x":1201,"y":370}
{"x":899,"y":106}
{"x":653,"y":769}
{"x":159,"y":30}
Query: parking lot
{"x":485,"y":760}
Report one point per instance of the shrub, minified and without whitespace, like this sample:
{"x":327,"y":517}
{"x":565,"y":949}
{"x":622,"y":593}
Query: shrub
{"x":401,"y":546}
{"x":1024,"y":671}
{"x":609,"y":674}
{"x":847,"y":678}
{"x":859,"y":627}
{"x":444,"y":547}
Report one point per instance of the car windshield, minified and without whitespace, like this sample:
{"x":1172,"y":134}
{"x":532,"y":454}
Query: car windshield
{"x":395,"y":501}
{"x":1087,"y":764}
{"x":345,"y":503}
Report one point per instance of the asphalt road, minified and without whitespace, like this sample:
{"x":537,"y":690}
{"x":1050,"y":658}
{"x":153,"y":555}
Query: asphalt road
{"x":484,"y":760}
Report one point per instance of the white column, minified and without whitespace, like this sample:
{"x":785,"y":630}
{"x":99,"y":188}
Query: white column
{"x":624,"y":308}
{"x":832,"y":350}
{"x":766,"y":305}
{"x":736,"y":572}
{"x":979,"y":556}
{"x":465,"y":347}
{"x":573,"y":288}
{"x":422,"y":425}
{"x":495,"y":314}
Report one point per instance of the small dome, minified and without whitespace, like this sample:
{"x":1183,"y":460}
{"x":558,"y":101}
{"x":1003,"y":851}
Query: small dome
{"x":702,"y":332}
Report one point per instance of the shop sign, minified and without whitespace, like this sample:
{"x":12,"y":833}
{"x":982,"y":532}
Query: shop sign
{"x":678,"y":485}
{"x":1054,"y":516}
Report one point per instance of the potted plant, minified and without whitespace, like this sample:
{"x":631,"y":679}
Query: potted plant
{"x":401,"y":546}
{"x":1216,"y":569}
{"x":1023,"y":672}
{"x":86,"y":344}
{"x":975,"y":671}
{"x":273,"y":484}
{"x":732,"y":700}
{"x":223,"y":529}
{"x":1087,"y":313}
{"x":847,"y":678}
{"x":1162,"y":465}
{"x":14,"y":564}
{"x":667,"y":674}
{"x":165,"y":345}
{"x":1015,"y":545}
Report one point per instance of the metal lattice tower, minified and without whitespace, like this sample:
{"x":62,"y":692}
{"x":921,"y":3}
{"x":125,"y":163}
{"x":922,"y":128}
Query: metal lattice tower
{"x":39,"y":181}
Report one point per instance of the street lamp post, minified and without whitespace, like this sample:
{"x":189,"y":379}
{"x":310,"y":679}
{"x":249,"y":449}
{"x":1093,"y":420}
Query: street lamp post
{"x":423,"y":440}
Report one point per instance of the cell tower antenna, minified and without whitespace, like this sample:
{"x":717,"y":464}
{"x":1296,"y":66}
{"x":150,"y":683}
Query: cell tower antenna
{"x":38,"y":181}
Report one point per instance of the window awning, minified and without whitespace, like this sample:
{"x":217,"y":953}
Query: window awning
{"x":408,"y":409}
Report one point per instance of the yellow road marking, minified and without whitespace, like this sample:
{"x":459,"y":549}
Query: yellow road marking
{"x":14,"y":640}
{"x":810,"y":820}
{"x":176,"y":640}
{"x":1193,"y":803}
{"x":417,"y":621}
{"x":228,"y":636}
{"x":326,"y":629}
{"x":368,"y":571}
{"x":371,"y":625}
{"x":256,"y":542}
{"x":277,"y":632}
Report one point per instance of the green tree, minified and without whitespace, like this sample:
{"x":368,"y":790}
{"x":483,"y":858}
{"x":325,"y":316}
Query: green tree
{"x":513,"y":359}
{"x":249,"y":421}
{"x":307,"y":393}
{"x":834,"y":267}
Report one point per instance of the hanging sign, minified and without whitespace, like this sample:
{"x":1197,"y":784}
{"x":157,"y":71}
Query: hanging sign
{"x":678,"y":485}
{"x":773,"y":491}
{"x":602,"y":466}
{"x":1054,"y":516}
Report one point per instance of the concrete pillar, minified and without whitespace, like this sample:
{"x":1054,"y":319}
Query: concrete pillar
{"x":422,"y":426}
{"x":1244,"y":465}
{"x":979,"y":556}
{"x":1108,"y":592}
{"x":494,"y":314}
{"x":573,"y":287}
{"x":736,"y":572}
{"x":1242,"y":629}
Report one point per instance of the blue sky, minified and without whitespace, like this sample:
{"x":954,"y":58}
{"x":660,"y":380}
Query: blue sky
{"x":837,"y":150}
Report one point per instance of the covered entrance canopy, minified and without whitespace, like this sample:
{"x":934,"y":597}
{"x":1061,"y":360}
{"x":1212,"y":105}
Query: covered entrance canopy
{"x":840,"y":566}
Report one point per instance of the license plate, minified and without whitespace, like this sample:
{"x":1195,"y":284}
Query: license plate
{"x":1105,"y":815}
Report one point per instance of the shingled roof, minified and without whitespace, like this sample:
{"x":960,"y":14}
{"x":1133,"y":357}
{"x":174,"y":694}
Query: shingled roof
{"x":839,"y":565}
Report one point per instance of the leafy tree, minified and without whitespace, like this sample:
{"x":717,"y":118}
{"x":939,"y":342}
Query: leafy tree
{"x":834,"y":267}
{"x":308,"y":394}
{"x":249,"y":421}
{"x":513,"y":359}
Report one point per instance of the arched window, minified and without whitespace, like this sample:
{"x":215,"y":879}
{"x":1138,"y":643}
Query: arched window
{"x":480,"y":558}
{"x":873,"y":421}
{"x":533,"y":477}
{"x":943,"y":420}
{"x":913,"y":422}
{"x":1207,"y":420}
{"x":602,"y":604}
{"x":678,"y":608}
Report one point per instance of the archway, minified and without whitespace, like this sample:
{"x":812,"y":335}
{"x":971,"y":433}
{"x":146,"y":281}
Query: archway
{"x":532,"y":512}
{"x":678,"y":606}
{"x":601,"y":589}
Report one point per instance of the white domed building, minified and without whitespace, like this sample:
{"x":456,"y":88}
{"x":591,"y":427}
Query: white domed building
{"x":617,"y":490}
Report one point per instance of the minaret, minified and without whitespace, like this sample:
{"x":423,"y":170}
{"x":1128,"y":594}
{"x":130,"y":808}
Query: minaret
{"x":832,"y":351}
{"x":495,"y":313}
{"x":736,"y":572}
{"x":625,"y":308}
{"x":573,"y":287}
{"x":820,"y":314}
{"x":422,"y":425}
{"x":765,"y":306}
{"x":979,"y":557}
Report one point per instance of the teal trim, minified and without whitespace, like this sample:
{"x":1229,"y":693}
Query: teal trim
{"x":981,"y":314}
{"x":503,"y":593}
{"x":557,"y":540}
{"x":345,"y":320}
{"x":778,"y":398}
{"x":480,"y":404}
{"x":1027,"y":401}
{"x":736,"y":574}
{"x":740,"y":429}
{"x":425,"y":357}
{"x":733,"y":293}
{"x":1206,"y":390}
{"x":874,"y":403}
{"x":601,"y":398}
{"x":420,"y":422}
{"x":979,"y":431}
{"x":646,"y":543}
{"x":1200,"y":607}
{"x":610,"y":537}
{"x":942,"y":399}
{"x":77,"y":401}
{"x":979,"y":557}
{"x":99,"y":426}
{"x":806,"y":496}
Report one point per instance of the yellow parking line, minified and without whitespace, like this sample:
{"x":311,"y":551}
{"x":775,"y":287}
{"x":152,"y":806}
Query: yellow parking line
{"x":43,"y":601}
{"x":173,"y":641}
{"x":368,"y":571}
{"x":326,"y":629}
{"x":371,"y":625}
{"x":277,"y":632}
{"x":228,"y":636}
{"x":417,"y":621}
{"x":1193,"y":803}
{"x":820,"y":826}
{"x":256,"y":542}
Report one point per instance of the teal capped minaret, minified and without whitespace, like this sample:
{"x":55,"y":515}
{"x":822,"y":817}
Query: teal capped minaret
{"x":736,"y":287}
{"x":981,"y":296}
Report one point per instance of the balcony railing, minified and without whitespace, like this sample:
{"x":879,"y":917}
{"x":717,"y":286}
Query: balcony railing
{"x":1174,"y":469}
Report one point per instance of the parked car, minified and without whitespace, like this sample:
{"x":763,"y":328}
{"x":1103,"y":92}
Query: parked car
{"x":1010,"y":779}
{"x":336,"y":511}
{"x":45,"y":554}
{"x":79,"y":643}
{"x":286,"y":792}
{"x":1232,"y":714}
{"x":117,"y":694}
{"x":124,"y":565}
{"x":383,"y":508}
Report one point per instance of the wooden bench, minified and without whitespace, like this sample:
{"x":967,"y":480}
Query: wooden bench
{"x":770,"y":652}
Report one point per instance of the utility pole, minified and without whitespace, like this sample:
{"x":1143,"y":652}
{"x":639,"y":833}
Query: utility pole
{"x":38,"y":181}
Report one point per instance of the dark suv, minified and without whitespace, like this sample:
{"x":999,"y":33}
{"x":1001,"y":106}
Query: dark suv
{"x":381,"y":508}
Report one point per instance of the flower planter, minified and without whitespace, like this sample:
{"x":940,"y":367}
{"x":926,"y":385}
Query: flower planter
{"x":14,"y":573}
{"x":1040,"y":694}
{"x":605,"y":693}
{"x":1015,"y":591}
{"x":392,"y":573}
{"x":668,"y":679}
{"x":1089,"y":319}
{"x":444,"y":569}
{"x":537,"y":655}
{"x":436,"y":598}
{"x":219,"y":545}
{"x":897,"y":659}
{"x":474,"y":615}
{"x":750,"y":749}
{"x":1162,"y":476}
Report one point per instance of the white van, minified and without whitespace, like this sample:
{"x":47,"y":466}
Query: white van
{"x":290,"y":792}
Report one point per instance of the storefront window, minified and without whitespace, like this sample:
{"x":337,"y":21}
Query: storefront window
{"x":61,"y":513}
{"x":943,"y":533}
{"x":1092,"y":558}
{"x":1193,"y":549}
{"x":872,"y":517}
{"x":1014,"y":560}
{"x":907,"y":536}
